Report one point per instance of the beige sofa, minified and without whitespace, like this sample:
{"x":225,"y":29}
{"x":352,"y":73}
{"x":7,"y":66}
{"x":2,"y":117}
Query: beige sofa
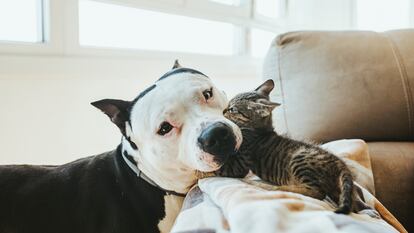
{"x":335,"y":85}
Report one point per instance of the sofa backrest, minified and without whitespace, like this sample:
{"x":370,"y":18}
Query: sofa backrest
{"x":344,"y":84}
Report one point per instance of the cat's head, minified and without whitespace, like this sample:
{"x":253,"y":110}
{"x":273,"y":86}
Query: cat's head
{"x":252,"y":109}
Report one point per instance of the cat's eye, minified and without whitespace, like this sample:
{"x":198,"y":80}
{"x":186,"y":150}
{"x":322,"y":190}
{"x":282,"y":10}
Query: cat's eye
{"x":232,"y":110}
{"x":208,"y":94}
{"x":165,"y":128}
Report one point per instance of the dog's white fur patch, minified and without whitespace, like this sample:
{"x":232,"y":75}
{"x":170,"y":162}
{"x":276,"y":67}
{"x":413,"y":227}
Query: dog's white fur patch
{"x":172,"y":209}
{"x":172,"y":160}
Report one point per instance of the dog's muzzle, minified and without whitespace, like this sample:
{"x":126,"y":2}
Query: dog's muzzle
{"x":218,"y":140}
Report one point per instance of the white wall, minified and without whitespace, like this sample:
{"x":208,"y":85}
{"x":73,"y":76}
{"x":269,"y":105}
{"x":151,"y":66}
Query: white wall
{"x":45,"y":115}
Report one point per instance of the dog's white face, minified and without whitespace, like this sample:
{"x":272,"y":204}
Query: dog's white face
{"x":168,"y":120}
{"x":178,"y":128}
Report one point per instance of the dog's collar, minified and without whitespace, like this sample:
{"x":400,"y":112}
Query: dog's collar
{"x":127,"y":158}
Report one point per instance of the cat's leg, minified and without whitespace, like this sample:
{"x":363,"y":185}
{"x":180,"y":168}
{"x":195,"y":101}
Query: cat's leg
{"x":201,"y":175}
{"x":359,"y":205}
{"x":235,"y":166}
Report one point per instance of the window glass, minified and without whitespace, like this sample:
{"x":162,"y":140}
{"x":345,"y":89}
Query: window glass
{"x":228,"y":2}
{"x":109,"y":25}
{"x":269,"y":8}
{"x":21,"y":20}
{"x":260,"y":42}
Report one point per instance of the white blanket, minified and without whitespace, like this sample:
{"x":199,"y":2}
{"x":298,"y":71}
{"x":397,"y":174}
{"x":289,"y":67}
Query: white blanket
{"x":220,"y":204}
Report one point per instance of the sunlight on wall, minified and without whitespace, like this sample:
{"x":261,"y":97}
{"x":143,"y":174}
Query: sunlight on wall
{"x":382,"y":15}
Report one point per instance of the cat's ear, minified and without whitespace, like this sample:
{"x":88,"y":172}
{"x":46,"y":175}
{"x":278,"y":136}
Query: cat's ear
{"x":268,"y":103}
{"x":265,"y":88}
{"x":260,"y":109}
{"x":263,"y":107}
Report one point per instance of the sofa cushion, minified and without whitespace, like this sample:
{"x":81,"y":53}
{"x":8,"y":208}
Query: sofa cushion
{"x":393,"y":168}
{"x":355,"y":153}
{"x":335,"y":85}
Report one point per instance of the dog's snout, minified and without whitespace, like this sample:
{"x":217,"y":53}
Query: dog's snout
{"x":218,"y":139}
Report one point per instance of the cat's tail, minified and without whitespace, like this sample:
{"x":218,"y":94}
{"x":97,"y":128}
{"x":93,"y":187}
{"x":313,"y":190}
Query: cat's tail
{"x":345,"y":197}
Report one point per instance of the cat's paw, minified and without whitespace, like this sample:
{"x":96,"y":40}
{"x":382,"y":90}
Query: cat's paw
{"x":370,"y":212}
{"x":201,"y":175}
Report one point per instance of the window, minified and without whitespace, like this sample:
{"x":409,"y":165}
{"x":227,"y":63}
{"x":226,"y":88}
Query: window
{"x":214,"y":27}
{"x":266,"y":12}
{"x":109,"y":25}
{"x":220,"y":30}
{"x":270,"y":8}
{"x":27,"y":18}
{"x":381,"y":15}
{"x":260,"y":42}
{"x":228,"y":2}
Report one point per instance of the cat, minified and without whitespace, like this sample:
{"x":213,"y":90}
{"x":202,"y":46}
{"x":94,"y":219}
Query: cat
{"x":292,"y":165}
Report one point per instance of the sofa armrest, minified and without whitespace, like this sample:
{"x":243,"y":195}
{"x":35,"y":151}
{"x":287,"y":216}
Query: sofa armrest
{"x":393,"y":168}
{"x":350,"y":84}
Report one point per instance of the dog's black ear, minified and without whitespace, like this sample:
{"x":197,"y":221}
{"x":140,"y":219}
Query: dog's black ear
{"x":266,"y":88}
{"x":176,"y":64}
{"x":116,"y":110}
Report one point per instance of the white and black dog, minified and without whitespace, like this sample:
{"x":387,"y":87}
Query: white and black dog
{"x":171,"y":130}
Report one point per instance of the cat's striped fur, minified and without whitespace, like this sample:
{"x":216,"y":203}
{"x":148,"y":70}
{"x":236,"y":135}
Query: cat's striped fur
{"x":292,"y":165}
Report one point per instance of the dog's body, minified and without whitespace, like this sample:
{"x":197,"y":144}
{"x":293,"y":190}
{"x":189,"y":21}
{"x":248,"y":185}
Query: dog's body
{"x":170,"y":131}
{"x":94,"y":194}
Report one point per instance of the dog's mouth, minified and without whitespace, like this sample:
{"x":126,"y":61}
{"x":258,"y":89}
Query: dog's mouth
{"x":216,"y":142}
{"x":210,"y":162}
{"x":213,"y":162}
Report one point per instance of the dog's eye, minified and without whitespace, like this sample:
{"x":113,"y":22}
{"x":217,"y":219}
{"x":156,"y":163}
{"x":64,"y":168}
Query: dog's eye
{"x":208,"y":94}
{"x":165,"y":128}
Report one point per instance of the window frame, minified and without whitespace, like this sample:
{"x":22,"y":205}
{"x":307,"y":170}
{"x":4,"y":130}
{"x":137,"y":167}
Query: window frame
{"x":50,"y":33}
{"x":61,"y":35}
{"x":60,"y":27}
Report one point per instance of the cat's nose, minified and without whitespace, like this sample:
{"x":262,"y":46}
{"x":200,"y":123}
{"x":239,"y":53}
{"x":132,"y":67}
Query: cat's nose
{"x":218,"y":139}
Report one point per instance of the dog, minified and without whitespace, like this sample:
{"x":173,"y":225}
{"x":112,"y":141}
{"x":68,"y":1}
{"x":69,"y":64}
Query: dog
{"x":170,"y":131}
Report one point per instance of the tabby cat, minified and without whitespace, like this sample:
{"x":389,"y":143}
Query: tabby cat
{"x":294,"y":166}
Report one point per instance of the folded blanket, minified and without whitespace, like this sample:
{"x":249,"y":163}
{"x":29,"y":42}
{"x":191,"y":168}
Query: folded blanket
{"x":220,"y":204}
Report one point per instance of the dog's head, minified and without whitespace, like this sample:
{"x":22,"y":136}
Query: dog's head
{"x":176,"y":127}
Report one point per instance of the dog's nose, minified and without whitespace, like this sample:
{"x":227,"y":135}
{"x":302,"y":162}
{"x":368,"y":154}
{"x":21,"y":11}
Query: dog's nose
{"x":218,"y":139}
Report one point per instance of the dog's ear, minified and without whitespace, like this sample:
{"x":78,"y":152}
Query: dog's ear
{"x":176,"y":64}
{"x":116,"y":110}
{"x":266,"y":88}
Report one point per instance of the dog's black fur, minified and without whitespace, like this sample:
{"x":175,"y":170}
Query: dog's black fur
{"x":94,"y":194}
{"x":97,"y":194}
